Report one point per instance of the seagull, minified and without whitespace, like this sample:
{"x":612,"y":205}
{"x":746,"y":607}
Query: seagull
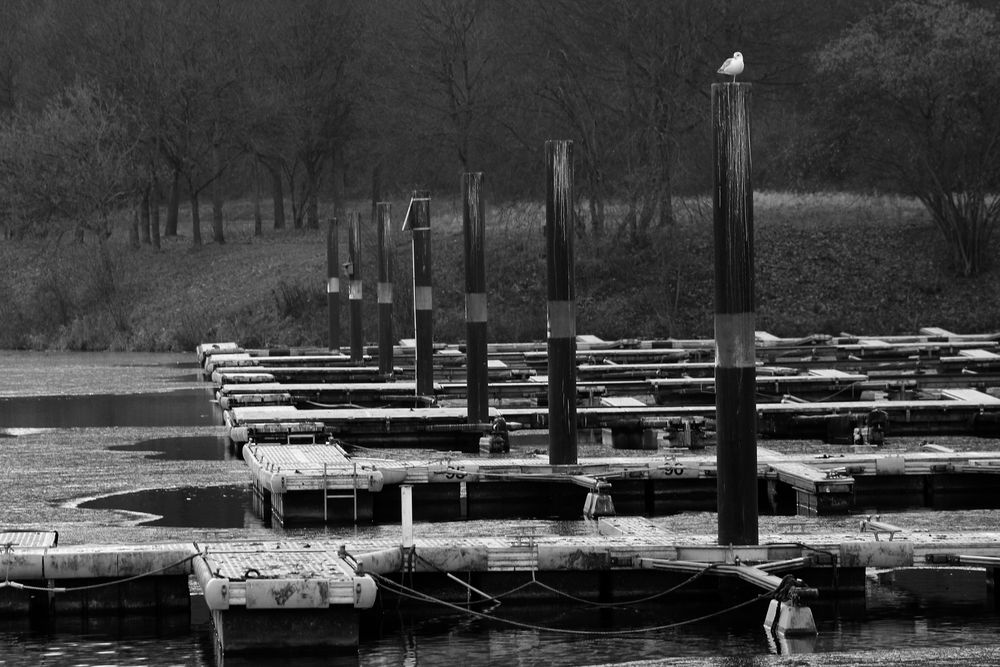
{"x":732,"y":66}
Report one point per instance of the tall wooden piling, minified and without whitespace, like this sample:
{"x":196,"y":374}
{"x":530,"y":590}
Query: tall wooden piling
{"x":735,"y":358}
{"x":559,"y":233}
{"x":385,"y":338}
{"x":354,"y":289}
{"x":333,"y":286}
{"x":476,"y":355}
{"x":418,"y":221}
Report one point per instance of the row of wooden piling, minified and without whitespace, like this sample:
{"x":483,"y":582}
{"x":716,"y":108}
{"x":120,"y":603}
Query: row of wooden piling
{"x":734,"y":300}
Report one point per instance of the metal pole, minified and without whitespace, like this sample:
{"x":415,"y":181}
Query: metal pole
{"x":333,"y":286}
{"x":476,"y":355}
{"x":559,"y":233}
{"x":354,"y":288}
{"x":735,"y":356}
{"x":406,"y":513}
{"x":385,"y":338}
{"x":418,"y":221}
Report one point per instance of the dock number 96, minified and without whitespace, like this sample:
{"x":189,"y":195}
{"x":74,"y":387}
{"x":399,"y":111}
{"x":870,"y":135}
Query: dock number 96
{"x":676,"y":470}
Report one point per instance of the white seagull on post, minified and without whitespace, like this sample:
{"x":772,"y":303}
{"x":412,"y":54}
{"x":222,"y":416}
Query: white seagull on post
{"x":732,"y":66}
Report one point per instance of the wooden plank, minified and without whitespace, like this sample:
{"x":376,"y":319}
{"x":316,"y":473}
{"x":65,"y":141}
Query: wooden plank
{"x":977,"y":353}
{"x":970,"y":396}
{"x":622,"y":402}
{"x":936,"y":332}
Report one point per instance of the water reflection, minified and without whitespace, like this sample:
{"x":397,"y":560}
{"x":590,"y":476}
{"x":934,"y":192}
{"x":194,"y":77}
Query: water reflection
{"x":883,"y":633}
{"x":228,"y":506}
{"x":184,"y":407}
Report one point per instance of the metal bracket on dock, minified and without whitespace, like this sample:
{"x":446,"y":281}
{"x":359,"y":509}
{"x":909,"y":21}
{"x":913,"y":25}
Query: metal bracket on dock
{"x":879,"y":527}
{"x":598,"y":502}
{"x":793,"y":590}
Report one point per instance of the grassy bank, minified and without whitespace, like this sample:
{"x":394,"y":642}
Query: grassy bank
{"x":824,"y":264}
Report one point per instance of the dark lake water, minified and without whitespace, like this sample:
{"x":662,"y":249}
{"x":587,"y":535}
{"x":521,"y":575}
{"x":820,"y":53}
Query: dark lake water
{"x":211,"y":507}
{"x":182,"y":407}
{"x":889,"y":627}
{"x":184,"y":448}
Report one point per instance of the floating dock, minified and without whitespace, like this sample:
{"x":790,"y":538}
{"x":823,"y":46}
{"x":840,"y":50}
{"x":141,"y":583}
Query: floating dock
{"x":320,"y":594}
{"x":957,"y":412}
{"x":300,"y":474}
{"x":297,"y":484}
{"x":367,"y":427}
{"x":292,"y":595}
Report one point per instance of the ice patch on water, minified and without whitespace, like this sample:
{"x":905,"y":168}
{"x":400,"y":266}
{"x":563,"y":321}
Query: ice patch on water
{"x":13,"y":431}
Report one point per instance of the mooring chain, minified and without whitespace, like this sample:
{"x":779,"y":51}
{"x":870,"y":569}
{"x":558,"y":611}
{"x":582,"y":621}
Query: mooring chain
{"x":8,"y":549}
{"x":411,"y":593}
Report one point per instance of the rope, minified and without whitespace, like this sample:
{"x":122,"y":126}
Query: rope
{"x":624,"y":603}
{"x":404,"y":591}
{"x":72,"y":589}
{"x":412,"y":553}
{"x":535,"y":582}
{"x":850,"y":386}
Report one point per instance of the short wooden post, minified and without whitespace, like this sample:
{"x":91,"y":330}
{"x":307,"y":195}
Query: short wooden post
{"x":333,"y":286}
{"x":418,"y":221}
{"x":735,"y":356}
{"x":385,"y":338}
{"x":355,"y":288}
{"x":559,"y":233}
{"x":476,"y":355}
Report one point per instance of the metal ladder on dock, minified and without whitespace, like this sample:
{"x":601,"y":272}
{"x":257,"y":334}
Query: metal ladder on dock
{"x":328,"y":496}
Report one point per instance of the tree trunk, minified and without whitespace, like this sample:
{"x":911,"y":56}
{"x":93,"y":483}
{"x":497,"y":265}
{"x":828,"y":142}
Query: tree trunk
{"x":278,"y":195}
{"x":376,"y":188}
{"x":666,"y":203}
{"x":154,"y":213}
{"x":299,"y":197}
{"x":596,"y":199}
{"x":217,"y":233}
{"x":173,"y":204}
{"x":133,"y":232}
{"x":258,"y":221}
{"x":144,"y":217}
{"x":596,"y":205}
{"x":195,"y":219}
{"x":647,"y":207}
{"x":665,"y":191}
{"x":312,"y":196}
{"x":337,"y":169}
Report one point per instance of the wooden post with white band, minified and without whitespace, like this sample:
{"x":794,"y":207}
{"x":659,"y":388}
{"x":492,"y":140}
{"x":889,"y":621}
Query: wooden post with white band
{"x":418,"y":221}
{"x":476,"y":354}
{"x":559,"y":233}
{"x":333,"y":286}
{"x":354,"y":292}
{"x":735,"y":356}
{"x":385,"y":338}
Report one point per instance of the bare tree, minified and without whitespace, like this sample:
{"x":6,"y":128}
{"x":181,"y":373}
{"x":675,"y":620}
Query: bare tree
{"x":927,"y":125}
{"x":73,"y":166}
{"x":304,"y":81}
